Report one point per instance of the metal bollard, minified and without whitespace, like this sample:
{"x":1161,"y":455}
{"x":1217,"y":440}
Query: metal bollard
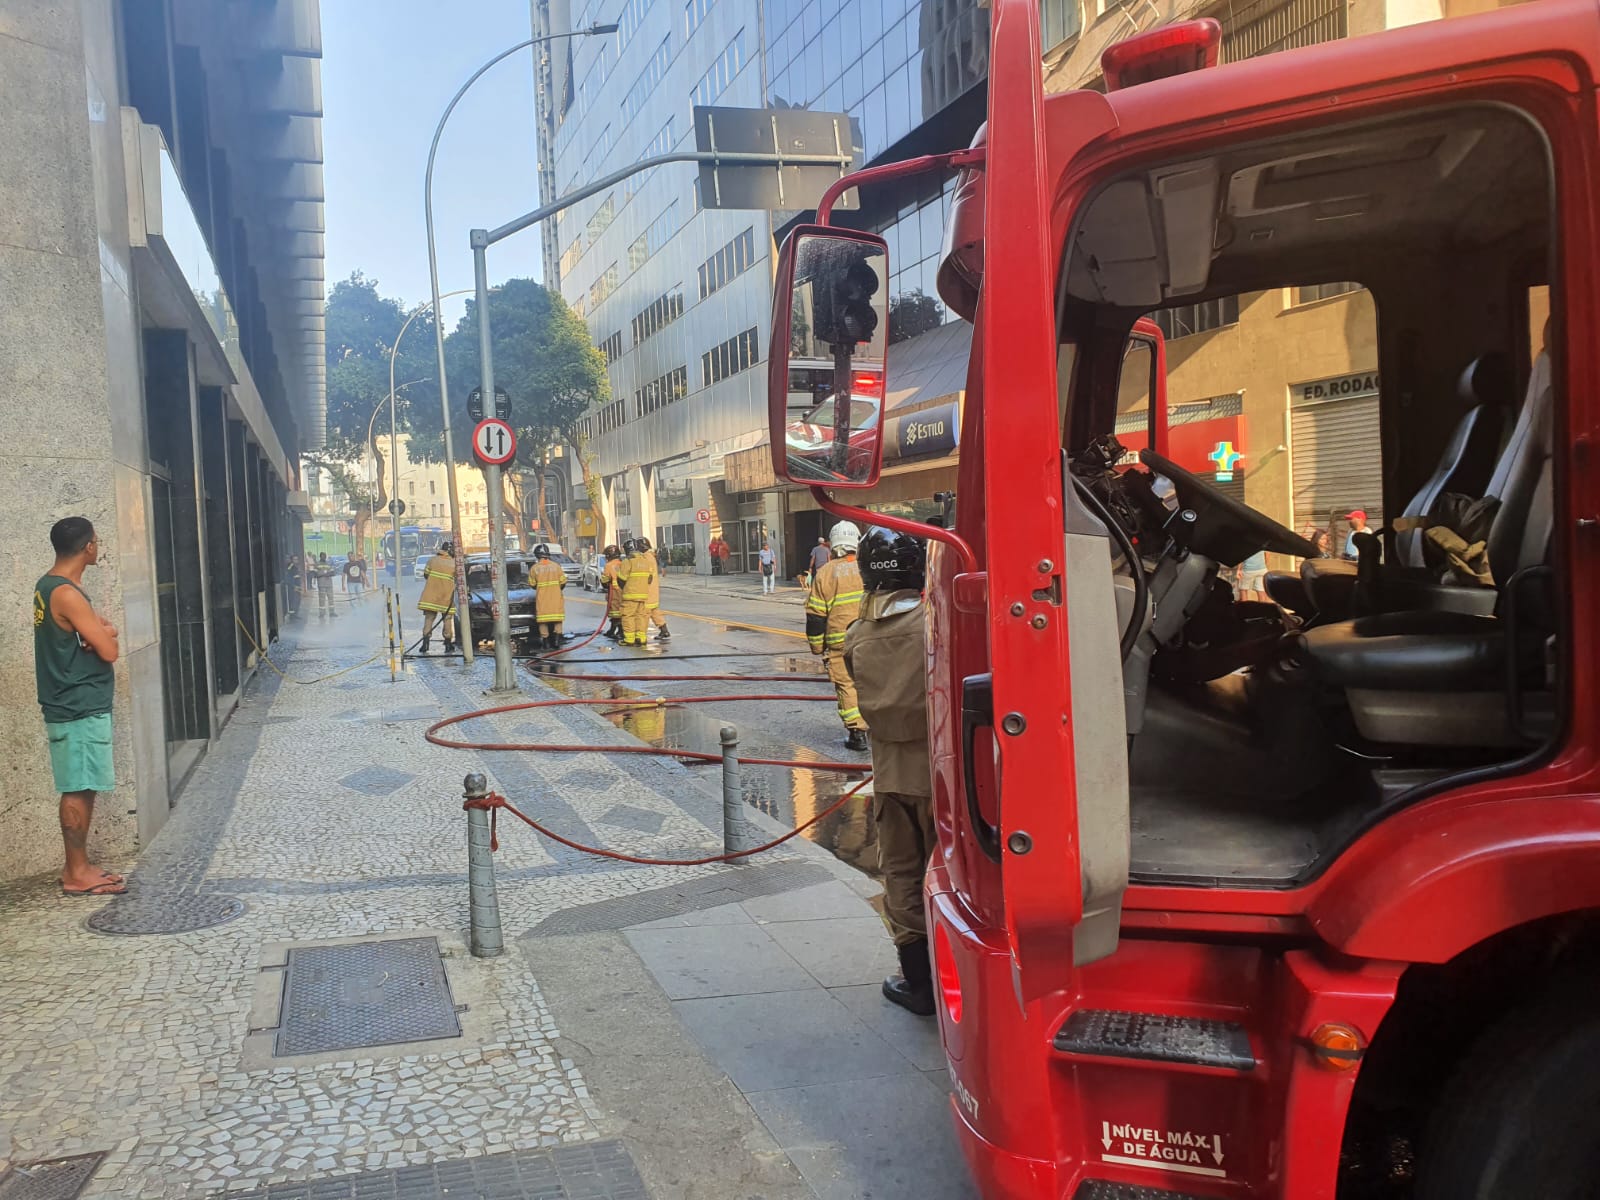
{"x":733,"y":823}
{"x":483,"y":902}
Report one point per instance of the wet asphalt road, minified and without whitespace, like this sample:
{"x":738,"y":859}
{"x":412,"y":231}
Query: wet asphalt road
{"x":717,"y":633}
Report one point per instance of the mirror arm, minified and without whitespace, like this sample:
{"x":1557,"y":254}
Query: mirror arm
{"x":971,"y":157}
{"x":969,"y":560}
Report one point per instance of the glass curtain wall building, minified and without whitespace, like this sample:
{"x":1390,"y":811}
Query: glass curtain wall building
{"x":679,"y":297}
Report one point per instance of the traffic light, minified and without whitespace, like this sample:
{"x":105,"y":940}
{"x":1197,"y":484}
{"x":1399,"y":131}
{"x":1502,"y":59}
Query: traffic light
{"x":858,"y":319}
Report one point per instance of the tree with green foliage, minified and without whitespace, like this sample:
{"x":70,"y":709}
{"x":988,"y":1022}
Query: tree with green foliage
{"x":362,"y":326}
{"x":912,"y":313}
{"x":546,"y":362}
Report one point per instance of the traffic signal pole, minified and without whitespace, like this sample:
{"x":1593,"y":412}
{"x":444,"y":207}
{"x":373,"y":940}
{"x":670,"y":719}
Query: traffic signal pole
{"x":504,"y":678}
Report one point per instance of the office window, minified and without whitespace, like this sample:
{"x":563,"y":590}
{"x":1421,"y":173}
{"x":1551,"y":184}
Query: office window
{"x":658,"y":393}
{"x":728,"y":263}
{"x":594,"y":81}
{"x":570,"y":257}
{"x":660,"y":144}
{"x":600,"y":151}
{"x":1061,"y":20}
{"x":603,"y":216}
{"x":1189,"y":319}
{"x":649,"y":79}
{"x":1323,"y":291}
{"x":612,"y":416}
{"x":715,"y":81}
{"x":653,"y":238}
{"x":730,"y":357}
{"x":586,"y":428}
{"x":693,"y":13}
{"x":604,"y":285}
{"x":628,"y":21}
{"x":658,"y":314}
{"x":612,"y":347}
{"x":433,"y":487}
{"x":411,"y":487}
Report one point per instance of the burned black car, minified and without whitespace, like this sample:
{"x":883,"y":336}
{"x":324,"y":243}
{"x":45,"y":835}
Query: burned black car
{"x":519,"y":597}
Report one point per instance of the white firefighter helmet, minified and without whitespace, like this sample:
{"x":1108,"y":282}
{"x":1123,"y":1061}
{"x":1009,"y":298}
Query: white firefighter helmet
{"x":844,"y":537}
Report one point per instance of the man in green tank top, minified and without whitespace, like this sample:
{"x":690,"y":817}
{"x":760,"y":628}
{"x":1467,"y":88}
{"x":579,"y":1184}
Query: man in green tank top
{"x":73,"y":649}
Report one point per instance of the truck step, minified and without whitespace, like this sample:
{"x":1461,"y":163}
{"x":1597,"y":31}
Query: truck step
{"x":1104,"y":1033}
{"x":1100,"y":1189}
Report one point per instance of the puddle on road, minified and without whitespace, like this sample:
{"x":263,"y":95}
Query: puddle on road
{"x":787,"y":796}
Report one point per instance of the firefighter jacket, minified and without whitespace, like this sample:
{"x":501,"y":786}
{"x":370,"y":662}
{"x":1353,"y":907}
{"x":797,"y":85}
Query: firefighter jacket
{"x":613,"y":589}
{"x":635,"y":575}
{"x":887,"y":656}
{"x":655,"y":580}
{"x":547,"y":580}
{"x":439,"y":592}
{"x":834,"y":602}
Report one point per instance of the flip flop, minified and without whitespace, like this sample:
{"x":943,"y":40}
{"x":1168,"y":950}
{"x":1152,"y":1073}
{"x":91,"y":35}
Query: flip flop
{"x":113,"y":877}
{"x":106,"y":888}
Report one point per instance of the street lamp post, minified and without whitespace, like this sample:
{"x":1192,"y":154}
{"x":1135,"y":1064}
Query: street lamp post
{"x":463,"y":626}
{"x":496,"y":533}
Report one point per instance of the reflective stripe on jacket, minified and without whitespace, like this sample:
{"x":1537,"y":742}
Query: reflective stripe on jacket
{"x":834,"y":602}
{"x":634,"y":575}
{"x":548,"y":580}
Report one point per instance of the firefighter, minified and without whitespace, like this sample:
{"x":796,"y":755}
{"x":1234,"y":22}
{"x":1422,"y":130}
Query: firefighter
{"x":634,"y":576}
{"x":653,"y":608}
{"x":439,"y":597}
{"x":835,"y":601}
{"x":549,"y":609}
{"x":613,"y":590}
{"x":886,"y":655}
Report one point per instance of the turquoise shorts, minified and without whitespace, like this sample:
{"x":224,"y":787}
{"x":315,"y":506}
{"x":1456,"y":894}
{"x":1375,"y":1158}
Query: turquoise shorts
{"x":80,"y":754}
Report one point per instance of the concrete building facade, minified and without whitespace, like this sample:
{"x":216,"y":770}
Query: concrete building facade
{"x":161,"y":352}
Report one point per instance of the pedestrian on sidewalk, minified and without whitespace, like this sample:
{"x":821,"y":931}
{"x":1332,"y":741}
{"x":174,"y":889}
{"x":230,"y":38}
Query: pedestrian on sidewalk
{"x":292,"y":573}
{"x":437,"y":601}
{"x":73,"y":649}
{"x":769,"y":569}
{"x":324,"y":574}
{"x":613,"y":590}
{"x":714,"y":551}
{"x":723,"y":554}
{"x":355,"y":573}
{"x":549,"y":609}
{"x":886,"y":654}
{"x":834,"y":603}
{"x":653,"y":605}
{"x":635,"y":575}
{"x":820,"y":554}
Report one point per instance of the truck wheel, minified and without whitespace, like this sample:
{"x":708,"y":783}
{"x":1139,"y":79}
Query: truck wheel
{"x":1521,"y":1117}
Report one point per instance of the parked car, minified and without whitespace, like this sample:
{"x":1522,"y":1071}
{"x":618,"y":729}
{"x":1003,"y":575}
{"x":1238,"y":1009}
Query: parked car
{"x":594,"y":569}
{"x":420,"y":569}
{"x":570,"y":567}
{"x":519,"y":598}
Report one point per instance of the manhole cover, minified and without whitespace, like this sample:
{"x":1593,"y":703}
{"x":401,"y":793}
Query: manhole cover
{"x":169,"y":913}
{"x":366,"y":994}
{"x":54,"y":1179}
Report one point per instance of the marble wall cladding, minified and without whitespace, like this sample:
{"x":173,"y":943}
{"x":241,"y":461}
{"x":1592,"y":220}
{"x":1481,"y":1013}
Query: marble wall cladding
{"x":71,"y":427}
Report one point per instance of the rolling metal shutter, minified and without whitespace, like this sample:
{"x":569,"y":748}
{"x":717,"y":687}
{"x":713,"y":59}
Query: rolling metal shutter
{"x":1337,"y":462}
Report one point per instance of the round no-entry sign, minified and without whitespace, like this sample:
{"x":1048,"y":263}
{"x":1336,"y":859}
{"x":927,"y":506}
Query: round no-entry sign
{"x":703,"y":515}
{"x":494,"y":442}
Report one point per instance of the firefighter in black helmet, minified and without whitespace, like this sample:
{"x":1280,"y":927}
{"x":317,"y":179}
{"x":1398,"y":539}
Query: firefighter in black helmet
{"x":613,"y":591}
{"x":886,"y":654}
{"x":652,"y":606}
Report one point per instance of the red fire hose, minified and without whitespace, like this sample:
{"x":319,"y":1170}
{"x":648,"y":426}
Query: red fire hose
{"x":494,"y":802}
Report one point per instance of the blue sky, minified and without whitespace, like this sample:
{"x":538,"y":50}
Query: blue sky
{"x":388,"y":69}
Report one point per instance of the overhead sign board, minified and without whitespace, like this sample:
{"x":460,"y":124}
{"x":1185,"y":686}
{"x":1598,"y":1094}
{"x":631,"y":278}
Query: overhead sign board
{"x":1338,"y":387}
{"x":780,"y":131}
{"x":494,"y":442}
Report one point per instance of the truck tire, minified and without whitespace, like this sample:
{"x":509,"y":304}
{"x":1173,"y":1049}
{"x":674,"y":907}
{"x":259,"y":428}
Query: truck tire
{"x":1521,"y":1117}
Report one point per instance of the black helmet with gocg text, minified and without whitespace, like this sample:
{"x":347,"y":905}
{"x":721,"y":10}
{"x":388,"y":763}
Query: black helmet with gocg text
{"x":891,"y":561}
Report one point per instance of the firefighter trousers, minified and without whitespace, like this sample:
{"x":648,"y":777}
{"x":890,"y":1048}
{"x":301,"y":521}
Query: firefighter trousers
{"x":905,"y":843}
{"x":656,"y":618}
{"x":845,"y":688}
{"x":635,"y":621}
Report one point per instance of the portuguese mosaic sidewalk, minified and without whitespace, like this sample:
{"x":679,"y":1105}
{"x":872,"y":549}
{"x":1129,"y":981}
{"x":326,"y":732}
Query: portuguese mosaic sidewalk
{"x":601,"y":1056}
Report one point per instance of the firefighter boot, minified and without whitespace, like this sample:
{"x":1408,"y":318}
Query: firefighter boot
{"x":663,"y":634}
{"x":615,"y":631}
{"x":449,"y":646}
{"x":856,"y":739}
{"x":553,"y":642}
{"x":912,"y":989}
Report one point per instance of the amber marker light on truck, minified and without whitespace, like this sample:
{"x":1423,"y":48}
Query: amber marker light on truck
{"x":1174,"y":49}
{"x":1337,"y":1047}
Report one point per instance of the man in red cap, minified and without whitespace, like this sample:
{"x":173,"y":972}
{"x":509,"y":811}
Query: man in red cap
{"x":1358,"y":524}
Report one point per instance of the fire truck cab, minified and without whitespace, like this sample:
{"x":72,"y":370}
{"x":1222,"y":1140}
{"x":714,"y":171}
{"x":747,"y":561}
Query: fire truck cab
{"x":1236,"y":898}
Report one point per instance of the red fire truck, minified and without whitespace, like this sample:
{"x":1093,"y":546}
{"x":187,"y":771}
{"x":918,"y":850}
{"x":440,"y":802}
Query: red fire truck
{"x":1295,"y":900}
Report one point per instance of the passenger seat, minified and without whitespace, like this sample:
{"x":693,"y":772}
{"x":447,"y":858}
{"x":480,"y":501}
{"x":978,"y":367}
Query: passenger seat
{"x":1325,"y":587}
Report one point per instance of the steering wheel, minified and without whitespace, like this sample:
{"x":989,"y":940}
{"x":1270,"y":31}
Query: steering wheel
{"x":1225,"y":529}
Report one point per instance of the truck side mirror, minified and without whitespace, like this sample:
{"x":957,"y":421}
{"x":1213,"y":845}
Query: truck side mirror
{"x":826,"y":378}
